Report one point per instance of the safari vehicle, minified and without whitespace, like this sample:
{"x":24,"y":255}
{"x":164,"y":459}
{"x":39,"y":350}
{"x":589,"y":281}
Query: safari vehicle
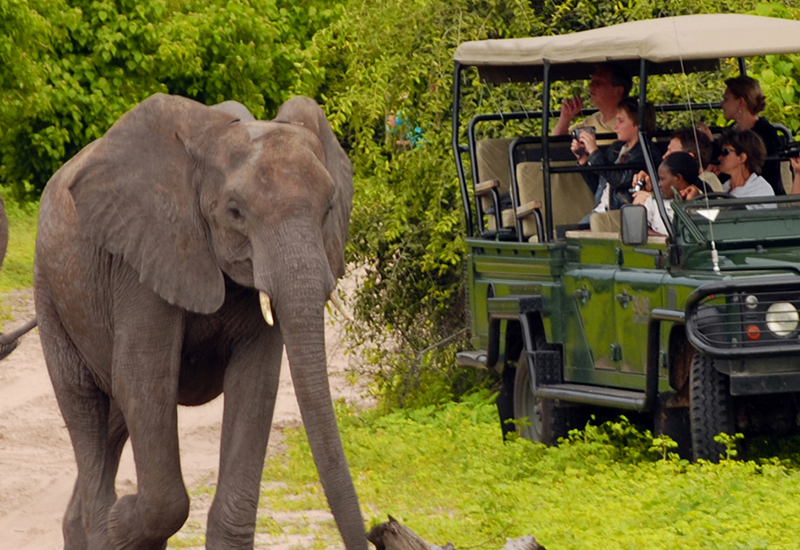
{"x":698,"y":329}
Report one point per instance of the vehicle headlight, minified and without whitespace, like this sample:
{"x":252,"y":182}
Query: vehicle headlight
{"x":782,"y":318}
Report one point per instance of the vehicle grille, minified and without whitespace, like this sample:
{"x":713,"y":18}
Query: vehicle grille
{"x":746,"y":318}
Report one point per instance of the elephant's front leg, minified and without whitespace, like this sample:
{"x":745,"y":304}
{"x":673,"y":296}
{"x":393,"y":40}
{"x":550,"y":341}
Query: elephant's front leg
{"x":251,"y":384}
{"x":148,"y":335}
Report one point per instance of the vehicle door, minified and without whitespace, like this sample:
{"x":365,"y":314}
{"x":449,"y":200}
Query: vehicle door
{"x":638,"y":290}
{"x":588,"y":315}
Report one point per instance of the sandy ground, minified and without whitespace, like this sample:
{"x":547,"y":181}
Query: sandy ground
{"x":37,"y":467}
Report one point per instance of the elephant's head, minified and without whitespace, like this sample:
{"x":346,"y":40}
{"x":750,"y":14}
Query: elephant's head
{"x":188,"y":194}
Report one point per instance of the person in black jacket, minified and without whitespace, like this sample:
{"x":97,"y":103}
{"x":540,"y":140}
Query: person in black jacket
{"x":742,"y":101}
{"x":612,"y":188}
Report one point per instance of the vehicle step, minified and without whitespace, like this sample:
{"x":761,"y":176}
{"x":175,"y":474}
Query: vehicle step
{"x":475,"y":359}
{"x":594,"y":395}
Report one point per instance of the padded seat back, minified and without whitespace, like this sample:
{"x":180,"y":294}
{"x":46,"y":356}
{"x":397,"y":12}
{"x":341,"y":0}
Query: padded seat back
{"x":572,"y":198}
{"x":492,"y":163}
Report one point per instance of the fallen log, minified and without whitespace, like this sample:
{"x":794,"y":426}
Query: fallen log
{"x":392,"y":535}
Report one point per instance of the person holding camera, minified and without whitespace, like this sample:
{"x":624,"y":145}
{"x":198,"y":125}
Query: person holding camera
{"x":795,"y":162}
{"x":677,"y":173}
{"x":611,"y":188}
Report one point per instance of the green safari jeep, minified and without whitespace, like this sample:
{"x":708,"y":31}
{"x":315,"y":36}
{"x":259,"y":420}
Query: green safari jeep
{"x":699,"y":329}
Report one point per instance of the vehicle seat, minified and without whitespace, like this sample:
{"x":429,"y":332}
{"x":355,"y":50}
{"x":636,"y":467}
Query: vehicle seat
{"x":492,"y":163}
{"x":571,"y":197}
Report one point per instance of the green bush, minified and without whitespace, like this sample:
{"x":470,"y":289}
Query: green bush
{"x":70,"y":68}
{"x":75,"y":66}
{"x":390,"y":57}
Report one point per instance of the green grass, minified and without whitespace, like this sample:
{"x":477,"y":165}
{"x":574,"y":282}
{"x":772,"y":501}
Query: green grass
{"x":17,"y":269}
{"x":446,"y":474}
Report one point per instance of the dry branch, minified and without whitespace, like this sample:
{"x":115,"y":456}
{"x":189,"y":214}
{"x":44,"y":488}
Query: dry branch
{"x":394,"y":536}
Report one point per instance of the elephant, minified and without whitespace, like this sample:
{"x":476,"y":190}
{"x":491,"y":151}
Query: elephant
{"x":175,"y":257}
{"x":9,"y":341}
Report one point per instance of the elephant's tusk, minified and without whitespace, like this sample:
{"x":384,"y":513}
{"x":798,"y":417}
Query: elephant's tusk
{"x":266,"y":308}
{"x":338,"y":305}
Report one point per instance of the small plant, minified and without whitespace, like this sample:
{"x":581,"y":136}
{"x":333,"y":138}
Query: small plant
{"x":662,"y":446}
{"x":731,"y":443}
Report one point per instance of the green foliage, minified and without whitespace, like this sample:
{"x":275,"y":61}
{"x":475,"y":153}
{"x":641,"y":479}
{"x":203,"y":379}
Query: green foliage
{"x":75,"y":66}
{"x":17,"y":272}
{"x":779,"y":75}
{"x":386,"y":58}
{"x":445,"y":472}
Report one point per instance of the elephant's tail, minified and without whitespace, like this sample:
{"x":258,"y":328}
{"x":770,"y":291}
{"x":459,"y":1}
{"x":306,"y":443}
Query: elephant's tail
{"x":10,"y":341}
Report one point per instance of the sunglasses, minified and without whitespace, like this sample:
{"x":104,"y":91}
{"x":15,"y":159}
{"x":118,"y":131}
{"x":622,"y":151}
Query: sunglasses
{"x":725,"y":151}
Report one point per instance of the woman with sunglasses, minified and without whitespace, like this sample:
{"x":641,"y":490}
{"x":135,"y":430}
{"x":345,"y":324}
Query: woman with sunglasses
{"x":742,"y":157}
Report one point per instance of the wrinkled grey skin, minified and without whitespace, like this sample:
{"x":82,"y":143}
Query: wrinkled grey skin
{"x":153,"y":243}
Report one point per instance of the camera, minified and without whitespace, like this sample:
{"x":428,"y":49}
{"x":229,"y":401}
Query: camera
{"x":791,"y":149}
{"x":638,"y":186}
{"x":576,"y":133}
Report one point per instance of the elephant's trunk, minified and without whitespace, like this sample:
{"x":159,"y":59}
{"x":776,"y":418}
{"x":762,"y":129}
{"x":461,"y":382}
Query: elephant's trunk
{"x":298,"y":304}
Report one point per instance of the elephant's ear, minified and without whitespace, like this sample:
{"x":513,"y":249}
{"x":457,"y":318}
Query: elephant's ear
{"x":305,"y":112}
{"x":136,"y":196}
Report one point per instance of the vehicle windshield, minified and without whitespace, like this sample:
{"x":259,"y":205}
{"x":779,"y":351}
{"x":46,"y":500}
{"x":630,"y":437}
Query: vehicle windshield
{"x":745,"y":221}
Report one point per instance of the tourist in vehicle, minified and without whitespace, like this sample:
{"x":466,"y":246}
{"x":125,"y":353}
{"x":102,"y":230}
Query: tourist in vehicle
{"x":610,"y":83}
{"x":678,"y":172}
{"x":611,"y":187}
{"x":742,"y":101}
{"x":795,"y":162}
{"x":698,"y":145}
{"x":742,"y":157}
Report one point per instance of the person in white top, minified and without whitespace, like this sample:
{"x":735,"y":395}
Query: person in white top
{"x":677,"y":173}
{"x":609,"y":84}
{"x":742,"y":157}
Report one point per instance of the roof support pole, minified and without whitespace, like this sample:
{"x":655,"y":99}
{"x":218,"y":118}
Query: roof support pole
{"x":548,"y":196}
{"x":642,"y":93}
{"x":644,"y":139}
{"x":462,"y":180}
{"x":742,"y":66}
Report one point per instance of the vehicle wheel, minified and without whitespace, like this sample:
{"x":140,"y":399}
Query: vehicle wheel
{"x":710,"y":408}
{"x":546,"y":422}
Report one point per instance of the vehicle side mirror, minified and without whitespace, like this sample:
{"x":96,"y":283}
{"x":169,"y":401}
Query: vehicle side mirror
{"x":634,"y":224}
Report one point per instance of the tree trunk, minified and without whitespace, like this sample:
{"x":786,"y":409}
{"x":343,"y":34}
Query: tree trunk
{"x":394,"y":536}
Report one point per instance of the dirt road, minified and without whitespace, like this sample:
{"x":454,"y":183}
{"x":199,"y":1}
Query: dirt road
{"x":37,"y":468}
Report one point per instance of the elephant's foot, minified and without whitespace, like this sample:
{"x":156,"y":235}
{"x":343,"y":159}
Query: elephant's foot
{"x":133,"y":525}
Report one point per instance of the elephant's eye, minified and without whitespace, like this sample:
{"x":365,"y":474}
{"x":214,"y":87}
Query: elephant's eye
{"x":234,"y":211}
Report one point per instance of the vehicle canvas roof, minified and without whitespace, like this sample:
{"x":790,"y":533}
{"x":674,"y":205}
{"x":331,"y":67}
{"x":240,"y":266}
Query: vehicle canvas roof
{"x":699,"y":41}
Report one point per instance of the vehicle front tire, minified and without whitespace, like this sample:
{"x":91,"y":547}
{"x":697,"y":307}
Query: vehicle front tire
{"x":710,"y":408}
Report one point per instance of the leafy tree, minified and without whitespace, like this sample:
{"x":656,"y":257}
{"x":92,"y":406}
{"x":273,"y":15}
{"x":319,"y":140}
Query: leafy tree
{"x":385,"y":58}
{"x":89,"y":61}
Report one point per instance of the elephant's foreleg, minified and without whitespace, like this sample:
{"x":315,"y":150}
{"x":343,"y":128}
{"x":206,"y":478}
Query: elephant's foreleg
{"x":251,"y":384}
{"x":146,"y":362}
